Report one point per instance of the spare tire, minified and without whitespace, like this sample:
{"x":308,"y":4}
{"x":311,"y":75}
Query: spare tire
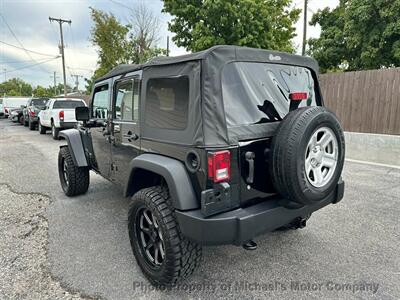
{"x":307,"y":155}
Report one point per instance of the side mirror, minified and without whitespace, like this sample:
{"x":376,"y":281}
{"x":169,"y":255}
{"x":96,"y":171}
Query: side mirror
{"x":23,"y":106}
{"x":82,"y":113}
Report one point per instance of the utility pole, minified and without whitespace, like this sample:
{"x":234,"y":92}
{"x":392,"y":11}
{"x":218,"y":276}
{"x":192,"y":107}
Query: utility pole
{"x":303,"y":52}
{"x":76,"y":81}
{"x":55,"y":82}
{"x":60,"y":22}
{"x":167,"y":45}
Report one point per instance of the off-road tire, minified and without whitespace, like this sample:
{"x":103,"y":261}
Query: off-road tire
{"x":55,"y":132}
{"x":32,"y":126}
{"x":42,"y":129}
{"x":287,"y":158}
{"x":78,"y":177}
{"x":181,"y":255}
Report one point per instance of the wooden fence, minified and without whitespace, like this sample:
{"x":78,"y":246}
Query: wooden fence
{"x":365,"y":101}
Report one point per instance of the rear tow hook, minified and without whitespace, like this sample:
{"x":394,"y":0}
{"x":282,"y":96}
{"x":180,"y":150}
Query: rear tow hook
{"x":250,"y":245}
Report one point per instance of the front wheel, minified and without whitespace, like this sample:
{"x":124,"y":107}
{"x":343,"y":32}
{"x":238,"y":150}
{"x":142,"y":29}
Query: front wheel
{"x":42,"y":129}
{"x":164,"y":255}
{"x":74,"y":180}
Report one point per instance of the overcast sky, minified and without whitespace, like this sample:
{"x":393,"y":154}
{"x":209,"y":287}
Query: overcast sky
{"x":28,"y":20}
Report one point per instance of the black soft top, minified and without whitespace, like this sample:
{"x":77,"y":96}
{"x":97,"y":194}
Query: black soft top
{"x":207,"y":125}
{"x":221,"y":54}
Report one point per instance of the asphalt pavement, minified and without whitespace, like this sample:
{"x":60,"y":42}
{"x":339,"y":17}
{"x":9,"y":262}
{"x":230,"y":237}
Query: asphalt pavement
{"x":348,"y":250}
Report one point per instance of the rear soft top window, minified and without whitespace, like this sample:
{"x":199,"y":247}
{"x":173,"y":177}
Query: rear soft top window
{"x":67,"y":104}
{"x":255,"y":93}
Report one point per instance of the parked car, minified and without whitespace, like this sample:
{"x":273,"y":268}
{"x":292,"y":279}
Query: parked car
{"x":16,"y":115}
{"x":58,"y":114}
{"x":213,"y":148}
{"x":31,"y":111}
{"x":10,"y":103}
{"x":1,"y":108}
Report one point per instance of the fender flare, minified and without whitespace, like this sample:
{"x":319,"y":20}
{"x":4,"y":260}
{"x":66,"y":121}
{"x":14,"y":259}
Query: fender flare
{"x":75,"y":145}
{"x":173,"y":171}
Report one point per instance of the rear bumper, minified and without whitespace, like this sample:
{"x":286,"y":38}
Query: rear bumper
{"x":13,"y":118}
{"x":240,"y":225}
{"x":67,"y":125}
{"x":33,"y":119}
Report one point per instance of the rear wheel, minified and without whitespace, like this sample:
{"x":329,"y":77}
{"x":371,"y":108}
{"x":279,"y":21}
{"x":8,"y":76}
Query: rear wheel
{"x":32,"y":126}
{"x":54,"y":131}
{"x":74,"y":180}
{"x":164,"y":255}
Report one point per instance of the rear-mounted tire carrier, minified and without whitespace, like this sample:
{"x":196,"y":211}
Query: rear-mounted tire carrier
{"x":300,"y":132}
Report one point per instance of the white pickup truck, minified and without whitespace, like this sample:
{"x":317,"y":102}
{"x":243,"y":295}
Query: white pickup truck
{"x":58,"y":114}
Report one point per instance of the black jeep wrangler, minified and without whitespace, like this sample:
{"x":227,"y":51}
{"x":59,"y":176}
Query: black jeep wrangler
{"x":215,"y":147}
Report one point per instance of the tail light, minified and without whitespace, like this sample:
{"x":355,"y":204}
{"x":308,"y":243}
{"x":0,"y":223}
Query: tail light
{"x":61,"y":115}
{"x":5,"y":110}
{"x":298,"y":96}
{"x":219,"y":166}
{"x":31,"y":113}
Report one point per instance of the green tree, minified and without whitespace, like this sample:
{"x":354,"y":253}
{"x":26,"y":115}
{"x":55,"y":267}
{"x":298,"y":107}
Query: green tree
{"x":60,"y":89}
{"x":112,"y":40}
{"x":199,"y":24}
{"x":117,"y":43}
{"x":41,"y":91}
{"x":358,"y":35}
{"x":15,"y":87}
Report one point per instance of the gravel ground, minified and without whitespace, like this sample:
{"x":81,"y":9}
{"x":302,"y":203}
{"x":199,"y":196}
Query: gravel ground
{"x":24,"y":268}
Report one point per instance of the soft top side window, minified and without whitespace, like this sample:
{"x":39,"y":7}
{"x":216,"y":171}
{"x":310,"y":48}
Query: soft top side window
{"x":167,"y":102}
{"x":126,"y":100}
{"x":100,"y":103}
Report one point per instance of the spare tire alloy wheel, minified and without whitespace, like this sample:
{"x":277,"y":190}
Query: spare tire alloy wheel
{"x":321,"y":157}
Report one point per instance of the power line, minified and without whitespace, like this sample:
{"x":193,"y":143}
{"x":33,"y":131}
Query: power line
{"x":30,"y":66}
{"x":19,"y":42}
{"x":83,"y":69}
{"x":23,"y":61}
{"x":121,"y":4}
{"x":38,"y":53}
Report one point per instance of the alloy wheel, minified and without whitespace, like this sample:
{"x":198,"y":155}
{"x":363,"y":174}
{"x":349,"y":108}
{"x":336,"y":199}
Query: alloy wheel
{"x":321,"y":157}
{"x":150,"y":237}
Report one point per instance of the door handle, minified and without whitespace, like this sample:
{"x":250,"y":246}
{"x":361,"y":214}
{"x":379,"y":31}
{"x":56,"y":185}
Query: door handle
{"x":131,"y":136}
